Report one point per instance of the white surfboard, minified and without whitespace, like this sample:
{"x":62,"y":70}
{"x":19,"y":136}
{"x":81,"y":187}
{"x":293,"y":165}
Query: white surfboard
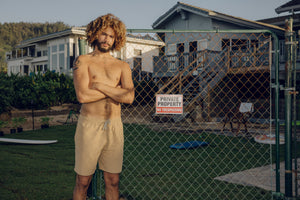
{"x":22,"y":141}
{"x":268,"y":139}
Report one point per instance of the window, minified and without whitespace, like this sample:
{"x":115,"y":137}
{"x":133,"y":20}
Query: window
{"x":26,"y":69}
{"x":45,"y":53}
{"x":180,"y":48}
{"x":61,"y":47}
{"x":32,"y":51}
{"x":54,"y":48}
{"x":58,"y":56}
{"x":19,"y":53}
{"x":39,"y":54}
{"x":25,"y":52}
{"x":172,"y":67}
{"x":193,"y":46}
{"x":225,"y":43}
{"x":54,"y":61}
{"x":39,"y":68}
{"x":61,"y":60}
{"x":239,"y":44}
{"x":193,"y":54}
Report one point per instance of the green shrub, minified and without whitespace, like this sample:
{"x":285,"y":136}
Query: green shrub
{"x":38,"y":91}
{"x":18,"y":121}
{"x":6,"y":92}
{"x":3,"y":124}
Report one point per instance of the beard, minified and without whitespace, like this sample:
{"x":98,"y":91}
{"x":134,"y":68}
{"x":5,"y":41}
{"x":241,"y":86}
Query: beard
{"x":102,"y":49}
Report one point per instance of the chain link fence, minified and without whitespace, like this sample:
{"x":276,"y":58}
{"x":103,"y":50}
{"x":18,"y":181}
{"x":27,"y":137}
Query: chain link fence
{"x":220,"y":146}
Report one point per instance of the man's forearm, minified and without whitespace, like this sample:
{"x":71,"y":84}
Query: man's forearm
{"x":121,"y":95}
{"x":90,"y":95}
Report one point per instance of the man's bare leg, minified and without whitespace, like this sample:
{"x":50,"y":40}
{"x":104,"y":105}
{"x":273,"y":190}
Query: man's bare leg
{"x":111,"y":186}
{"x":81,"y":187}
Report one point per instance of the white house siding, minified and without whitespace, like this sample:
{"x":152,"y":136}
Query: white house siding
{"x":14,"y":66}
{"x":147,"y":55}
{"x":57,"y":53}
{"x":148,"y":49}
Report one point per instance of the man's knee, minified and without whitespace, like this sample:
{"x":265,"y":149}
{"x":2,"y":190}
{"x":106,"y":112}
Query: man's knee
{"x":111,"y":180}
{"x":83,"y":181}
{"x":114,"y":183}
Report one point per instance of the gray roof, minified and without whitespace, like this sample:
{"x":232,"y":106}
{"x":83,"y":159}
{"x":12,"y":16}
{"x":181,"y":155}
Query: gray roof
{"x":71,"y":31}
{"x":291,"y":6}
{"x":214,"y":15}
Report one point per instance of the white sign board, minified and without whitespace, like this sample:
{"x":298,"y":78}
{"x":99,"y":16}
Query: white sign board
{"x":169,"y":104}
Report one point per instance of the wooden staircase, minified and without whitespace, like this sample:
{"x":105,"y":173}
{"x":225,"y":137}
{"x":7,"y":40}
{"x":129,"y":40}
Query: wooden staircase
{"x":196,"y":87}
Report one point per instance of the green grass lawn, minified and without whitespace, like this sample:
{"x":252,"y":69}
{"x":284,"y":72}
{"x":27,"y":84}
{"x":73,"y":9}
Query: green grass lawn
{"x":38,"y":171}
{"x":151,"y":170}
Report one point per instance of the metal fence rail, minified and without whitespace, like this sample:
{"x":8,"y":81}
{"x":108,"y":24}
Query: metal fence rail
{"x":225,"y":80}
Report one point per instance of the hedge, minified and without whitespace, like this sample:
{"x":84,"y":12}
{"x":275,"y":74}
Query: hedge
{"x":39,"y":91}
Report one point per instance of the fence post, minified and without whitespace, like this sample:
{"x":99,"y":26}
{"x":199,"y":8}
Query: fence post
{"x":288,"y":113}
{"x":278,"y":194}
{"x":295,"y":114}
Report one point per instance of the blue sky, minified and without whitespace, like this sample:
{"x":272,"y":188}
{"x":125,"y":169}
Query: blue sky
{"x":136,"y":14}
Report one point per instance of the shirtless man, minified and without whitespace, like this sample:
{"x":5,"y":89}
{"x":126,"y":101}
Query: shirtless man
{"x":101,"y":83}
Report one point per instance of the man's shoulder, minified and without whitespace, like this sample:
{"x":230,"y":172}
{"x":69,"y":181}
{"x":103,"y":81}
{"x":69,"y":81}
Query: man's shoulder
{"x":84,"y":57}
{"x":80,"y":61}
{"x":120,"y":62}
{"x":80,"y":58}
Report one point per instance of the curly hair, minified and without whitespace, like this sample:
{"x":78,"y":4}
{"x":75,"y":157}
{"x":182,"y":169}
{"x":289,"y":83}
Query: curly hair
{"x":103,"y":22}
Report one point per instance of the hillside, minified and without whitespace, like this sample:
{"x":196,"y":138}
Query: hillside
{"x":12,"y":33}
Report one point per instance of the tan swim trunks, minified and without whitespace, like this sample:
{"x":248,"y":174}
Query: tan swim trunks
{"x":99,"y":142}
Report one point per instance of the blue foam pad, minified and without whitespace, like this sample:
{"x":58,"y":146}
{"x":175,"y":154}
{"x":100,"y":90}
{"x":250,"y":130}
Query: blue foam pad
{"x":189,"y":145}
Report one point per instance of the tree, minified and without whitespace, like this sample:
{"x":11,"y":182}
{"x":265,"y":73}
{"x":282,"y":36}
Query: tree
{"x":11,"y":34}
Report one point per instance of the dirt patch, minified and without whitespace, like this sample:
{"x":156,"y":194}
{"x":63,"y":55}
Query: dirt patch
{"x":58,"y":116}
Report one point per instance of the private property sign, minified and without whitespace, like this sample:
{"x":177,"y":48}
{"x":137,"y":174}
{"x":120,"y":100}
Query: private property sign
{"x":169,"y":104}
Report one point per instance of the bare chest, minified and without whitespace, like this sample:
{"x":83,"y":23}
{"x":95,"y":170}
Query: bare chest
{"x":105,"y":73}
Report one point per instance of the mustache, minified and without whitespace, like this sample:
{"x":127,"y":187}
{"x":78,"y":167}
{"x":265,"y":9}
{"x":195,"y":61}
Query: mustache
{"x":103,"y":43}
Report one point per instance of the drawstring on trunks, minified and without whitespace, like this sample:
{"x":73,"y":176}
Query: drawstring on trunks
{"x":106,"y":124}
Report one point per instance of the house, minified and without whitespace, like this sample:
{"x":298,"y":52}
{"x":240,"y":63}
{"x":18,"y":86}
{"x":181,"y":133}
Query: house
{"x":291,"y":12}
{"x":292,"y":8}
{"x":187,"y":17}
{"x":206,"y":56}
{"x":57,"y":51}
{"x":54,"y":52}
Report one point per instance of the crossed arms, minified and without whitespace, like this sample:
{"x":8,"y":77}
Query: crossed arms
{"x":88,"y":92}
